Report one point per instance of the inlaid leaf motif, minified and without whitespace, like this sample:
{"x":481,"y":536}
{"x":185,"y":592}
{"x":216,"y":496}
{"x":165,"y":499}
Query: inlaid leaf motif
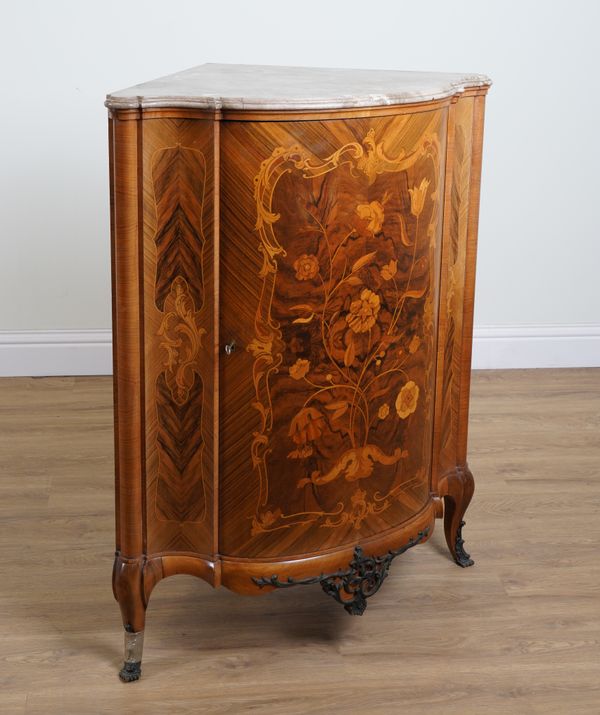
{"x":363,"y":261}
{"x":307,"y":426}
{"x":415,"y":293}
{"x":304,"y":320}
{"x":338,"y":413}
{"x":389,"y":270}
{"x":336,"y":405}
{"x":350,"y":353}
{"x":338,"y":408}
{"x":302,"y":308}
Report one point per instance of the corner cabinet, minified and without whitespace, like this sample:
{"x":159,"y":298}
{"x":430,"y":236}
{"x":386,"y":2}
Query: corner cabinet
{"x":293,"y":279}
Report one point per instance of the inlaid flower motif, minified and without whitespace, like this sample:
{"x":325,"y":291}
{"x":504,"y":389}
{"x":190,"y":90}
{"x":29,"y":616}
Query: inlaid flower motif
{"x":363,"y":312}
{"x":301,"y":452}
{"x":414,"y":344}
{"x":406,"y":402}
{"x":389,"y":270}
{"x":417,"y":197}
{"x":306,"y":267}
{"x":383,"y":411}
{"x":258,"y":347}
{"x":373,"y":213}
{"x":307,"y":425}
{"x":299,"y":369}
{"x":269,"y":517}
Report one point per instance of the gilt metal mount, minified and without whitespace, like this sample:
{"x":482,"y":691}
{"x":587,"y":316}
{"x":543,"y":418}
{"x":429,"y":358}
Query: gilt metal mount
{"x":351,"y":587}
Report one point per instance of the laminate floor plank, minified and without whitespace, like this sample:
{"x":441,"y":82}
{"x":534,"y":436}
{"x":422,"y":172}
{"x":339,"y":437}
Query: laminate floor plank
{"x":517,"y":633}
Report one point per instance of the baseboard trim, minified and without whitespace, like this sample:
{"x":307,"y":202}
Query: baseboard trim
{"x":39,"y":353}
{"x":531,"y":346}
{"x":89,"y":352}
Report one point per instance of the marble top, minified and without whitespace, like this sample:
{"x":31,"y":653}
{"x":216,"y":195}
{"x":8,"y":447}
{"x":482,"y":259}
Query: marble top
{"x":266,"y":87}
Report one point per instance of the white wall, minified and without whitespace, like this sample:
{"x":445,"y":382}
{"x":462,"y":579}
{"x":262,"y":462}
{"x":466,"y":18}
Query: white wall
{"x":538,"y":291}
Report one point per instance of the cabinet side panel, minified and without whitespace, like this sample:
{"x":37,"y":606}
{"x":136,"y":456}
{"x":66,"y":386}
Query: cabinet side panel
{"x":127,"y":350}
{"x":331,"y":233}
{"x":470,"y":265}
{"x":452,"y":292}
{"x":178,"y":185}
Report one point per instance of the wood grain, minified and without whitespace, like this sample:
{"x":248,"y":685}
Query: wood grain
{"x":293,"y":315}
{"x":517,"y":633}
{"x":178,"y":181}
{"x":328,"y":252}
{"x":452,"y":289}
{"x":329,"y":280}
{"x":128,"y":350}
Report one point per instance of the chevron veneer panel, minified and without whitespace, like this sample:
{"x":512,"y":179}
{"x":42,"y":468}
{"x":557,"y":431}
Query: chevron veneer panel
{"x":178,"y":198}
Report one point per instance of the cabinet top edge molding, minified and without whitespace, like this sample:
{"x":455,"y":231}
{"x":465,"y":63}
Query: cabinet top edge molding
{"x":270,"y":87}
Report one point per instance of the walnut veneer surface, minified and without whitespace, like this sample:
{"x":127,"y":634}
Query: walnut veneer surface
{"x":293,"y":305}
{"x":517,"y":633}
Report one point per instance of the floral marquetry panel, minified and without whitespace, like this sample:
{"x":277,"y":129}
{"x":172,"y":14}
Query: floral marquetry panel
{"x":178,"y":328}
{"x":330,"y":258}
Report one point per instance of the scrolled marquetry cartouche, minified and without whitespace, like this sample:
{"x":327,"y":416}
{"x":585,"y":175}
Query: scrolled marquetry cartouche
{"x":335,"y":249}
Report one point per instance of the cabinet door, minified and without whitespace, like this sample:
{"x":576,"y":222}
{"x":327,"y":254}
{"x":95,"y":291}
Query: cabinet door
{"x":329,"y":250}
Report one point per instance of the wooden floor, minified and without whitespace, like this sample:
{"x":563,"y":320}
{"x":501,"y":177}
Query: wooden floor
{"x":517,"y":633}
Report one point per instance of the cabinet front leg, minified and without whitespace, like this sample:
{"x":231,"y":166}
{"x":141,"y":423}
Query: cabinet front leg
{"x":457,"y":490}
{"x":129,"y":592}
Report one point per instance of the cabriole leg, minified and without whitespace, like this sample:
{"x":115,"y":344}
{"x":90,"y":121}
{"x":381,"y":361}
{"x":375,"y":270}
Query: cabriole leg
{"x":457,"y":491}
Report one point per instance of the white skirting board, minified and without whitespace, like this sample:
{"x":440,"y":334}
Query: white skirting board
{"x":55,"y":352}
{"x":89,"y":352}
{"x":530,"y":346}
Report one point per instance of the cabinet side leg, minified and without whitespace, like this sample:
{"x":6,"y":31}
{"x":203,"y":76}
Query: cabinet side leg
{"x":457,"y":489}
{"x":125,"y":142}
{"x":129,"y":592}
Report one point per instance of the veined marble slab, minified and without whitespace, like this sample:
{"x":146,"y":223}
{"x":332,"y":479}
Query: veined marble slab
{"x":266,"y":87}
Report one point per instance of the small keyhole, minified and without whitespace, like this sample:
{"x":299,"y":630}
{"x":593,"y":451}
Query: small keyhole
{"x":230,"y":347}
